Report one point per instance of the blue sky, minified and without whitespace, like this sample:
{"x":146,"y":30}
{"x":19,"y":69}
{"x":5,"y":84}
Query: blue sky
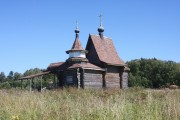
{"x":35,"y":33}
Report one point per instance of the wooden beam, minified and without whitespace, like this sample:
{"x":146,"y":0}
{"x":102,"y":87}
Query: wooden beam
{"x":78,"y":78}
{"x":35,"y":84}
{"x":82,"y":79}
{"x":35,"y":75}
{"x":120,"y":78}
{"x":41,"y":83}
{"x":54,"y":81}
{"x":21,"y":84}
{"x":104,"y":79}
{"x":30,"y":85}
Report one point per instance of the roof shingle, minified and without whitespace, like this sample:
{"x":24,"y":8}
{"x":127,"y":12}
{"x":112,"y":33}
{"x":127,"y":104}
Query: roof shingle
{"x":105,"y":50}
{"x":54,"y":66}
{"x":77,"y":45}
{"x":86,"y":66}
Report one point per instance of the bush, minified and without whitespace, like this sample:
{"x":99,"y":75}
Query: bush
{"x":5,"y":85}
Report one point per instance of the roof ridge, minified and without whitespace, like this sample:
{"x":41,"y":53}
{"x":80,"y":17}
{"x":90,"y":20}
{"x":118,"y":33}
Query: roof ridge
{"x":99,"y":36}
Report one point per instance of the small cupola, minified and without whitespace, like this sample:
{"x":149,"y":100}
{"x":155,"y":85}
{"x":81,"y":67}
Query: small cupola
{"x":101,"y":29}
{"x":77,"y":50}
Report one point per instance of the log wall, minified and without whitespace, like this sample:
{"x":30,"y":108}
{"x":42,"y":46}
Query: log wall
{"x":112,"y":77}
{"x":112,"y":80}
{"x":93,"y":79}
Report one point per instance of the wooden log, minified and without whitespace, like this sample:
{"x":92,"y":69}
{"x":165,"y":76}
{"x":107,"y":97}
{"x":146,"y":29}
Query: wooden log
{"x":30,"y":85}
{"x":112,"y":80}
{"x":104,"y":79}
{"x":21,"y":84}
{"x":41,"y":83}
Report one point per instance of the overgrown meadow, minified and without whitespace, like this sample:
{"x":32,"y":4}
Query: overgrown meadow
{"x":78,"y":104}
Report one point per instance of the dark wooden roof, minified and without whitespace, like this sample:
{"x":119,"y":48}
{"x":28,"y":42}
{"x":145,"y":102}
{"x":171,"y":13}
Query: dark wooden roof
{"x":105,"y":50}
{"x":86,"y":66}
{"x":34,"y":75}
{"x":64,"y":66}
{"x":54,"y":66}
{"x":76,"y":46}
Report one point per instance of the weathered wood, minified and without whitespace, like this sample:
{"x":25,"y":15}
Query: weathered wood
{"x":30,"y":85}
{"x":124,"y":82}
{"x":93,"y":84}
{"x":92,"y":71}
{"x":92,"y":80}
{"x":113,"y":69}
{"x":112,"y":80}
{"x":78,"y":79}
{"x":104,"y":79}
{"x":21,"y":84}
{"x":41,"y":83}
{"x":82,"y":78}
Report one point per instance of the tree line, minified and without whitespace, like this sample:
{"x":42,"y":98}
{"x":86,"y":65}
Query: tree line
{"x":153,"y":73}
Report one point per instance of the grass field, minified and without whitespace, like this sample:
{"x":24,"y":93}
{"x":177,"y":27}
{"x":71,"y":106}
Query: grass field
{"x":78,"y":104}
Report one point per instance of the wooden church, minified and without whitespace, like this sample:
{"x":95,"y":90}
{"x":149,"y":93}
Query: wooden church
{"x":96,"y":66}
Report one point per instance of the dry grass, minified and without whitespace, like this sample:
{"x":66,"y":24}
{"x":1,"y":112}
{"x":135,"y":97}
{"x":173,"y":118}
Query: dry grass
{"x":77,"y":104}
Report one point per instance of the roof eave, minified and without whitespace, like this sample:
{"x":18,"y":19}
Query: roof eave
{"x":114,"y":64}
{"x":98,"y":69}
{"x":34,"y":75}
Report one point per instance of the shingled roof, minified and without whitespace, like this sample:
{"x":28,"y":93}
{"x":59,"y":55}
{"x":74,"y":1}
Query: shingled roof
{"x":64,"y":66}
{"x":77,"y":45}
{"x":105,"y":50}
{"x":86,"y":66}
{"x":54,"y":66}
{"x":34,"y":75}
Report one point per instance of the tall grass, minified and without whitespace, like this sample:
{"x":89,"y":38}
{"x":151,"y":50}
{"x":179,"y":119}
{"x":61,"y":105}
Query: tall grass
{"x":77,"y":104}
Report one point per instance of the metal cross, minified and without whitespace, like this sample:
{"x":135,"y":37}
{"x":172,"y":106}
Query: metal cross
{"x":76,"y":24}
{"x":100,"y":16}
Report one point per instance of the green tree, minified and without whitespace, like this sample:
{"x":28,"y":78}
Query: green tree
{"x":32,"y":71}
{"x":17,"y":75}
{"x":2,"y":77}
{"x":11,"y":75}
{"x":153,"y":73}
